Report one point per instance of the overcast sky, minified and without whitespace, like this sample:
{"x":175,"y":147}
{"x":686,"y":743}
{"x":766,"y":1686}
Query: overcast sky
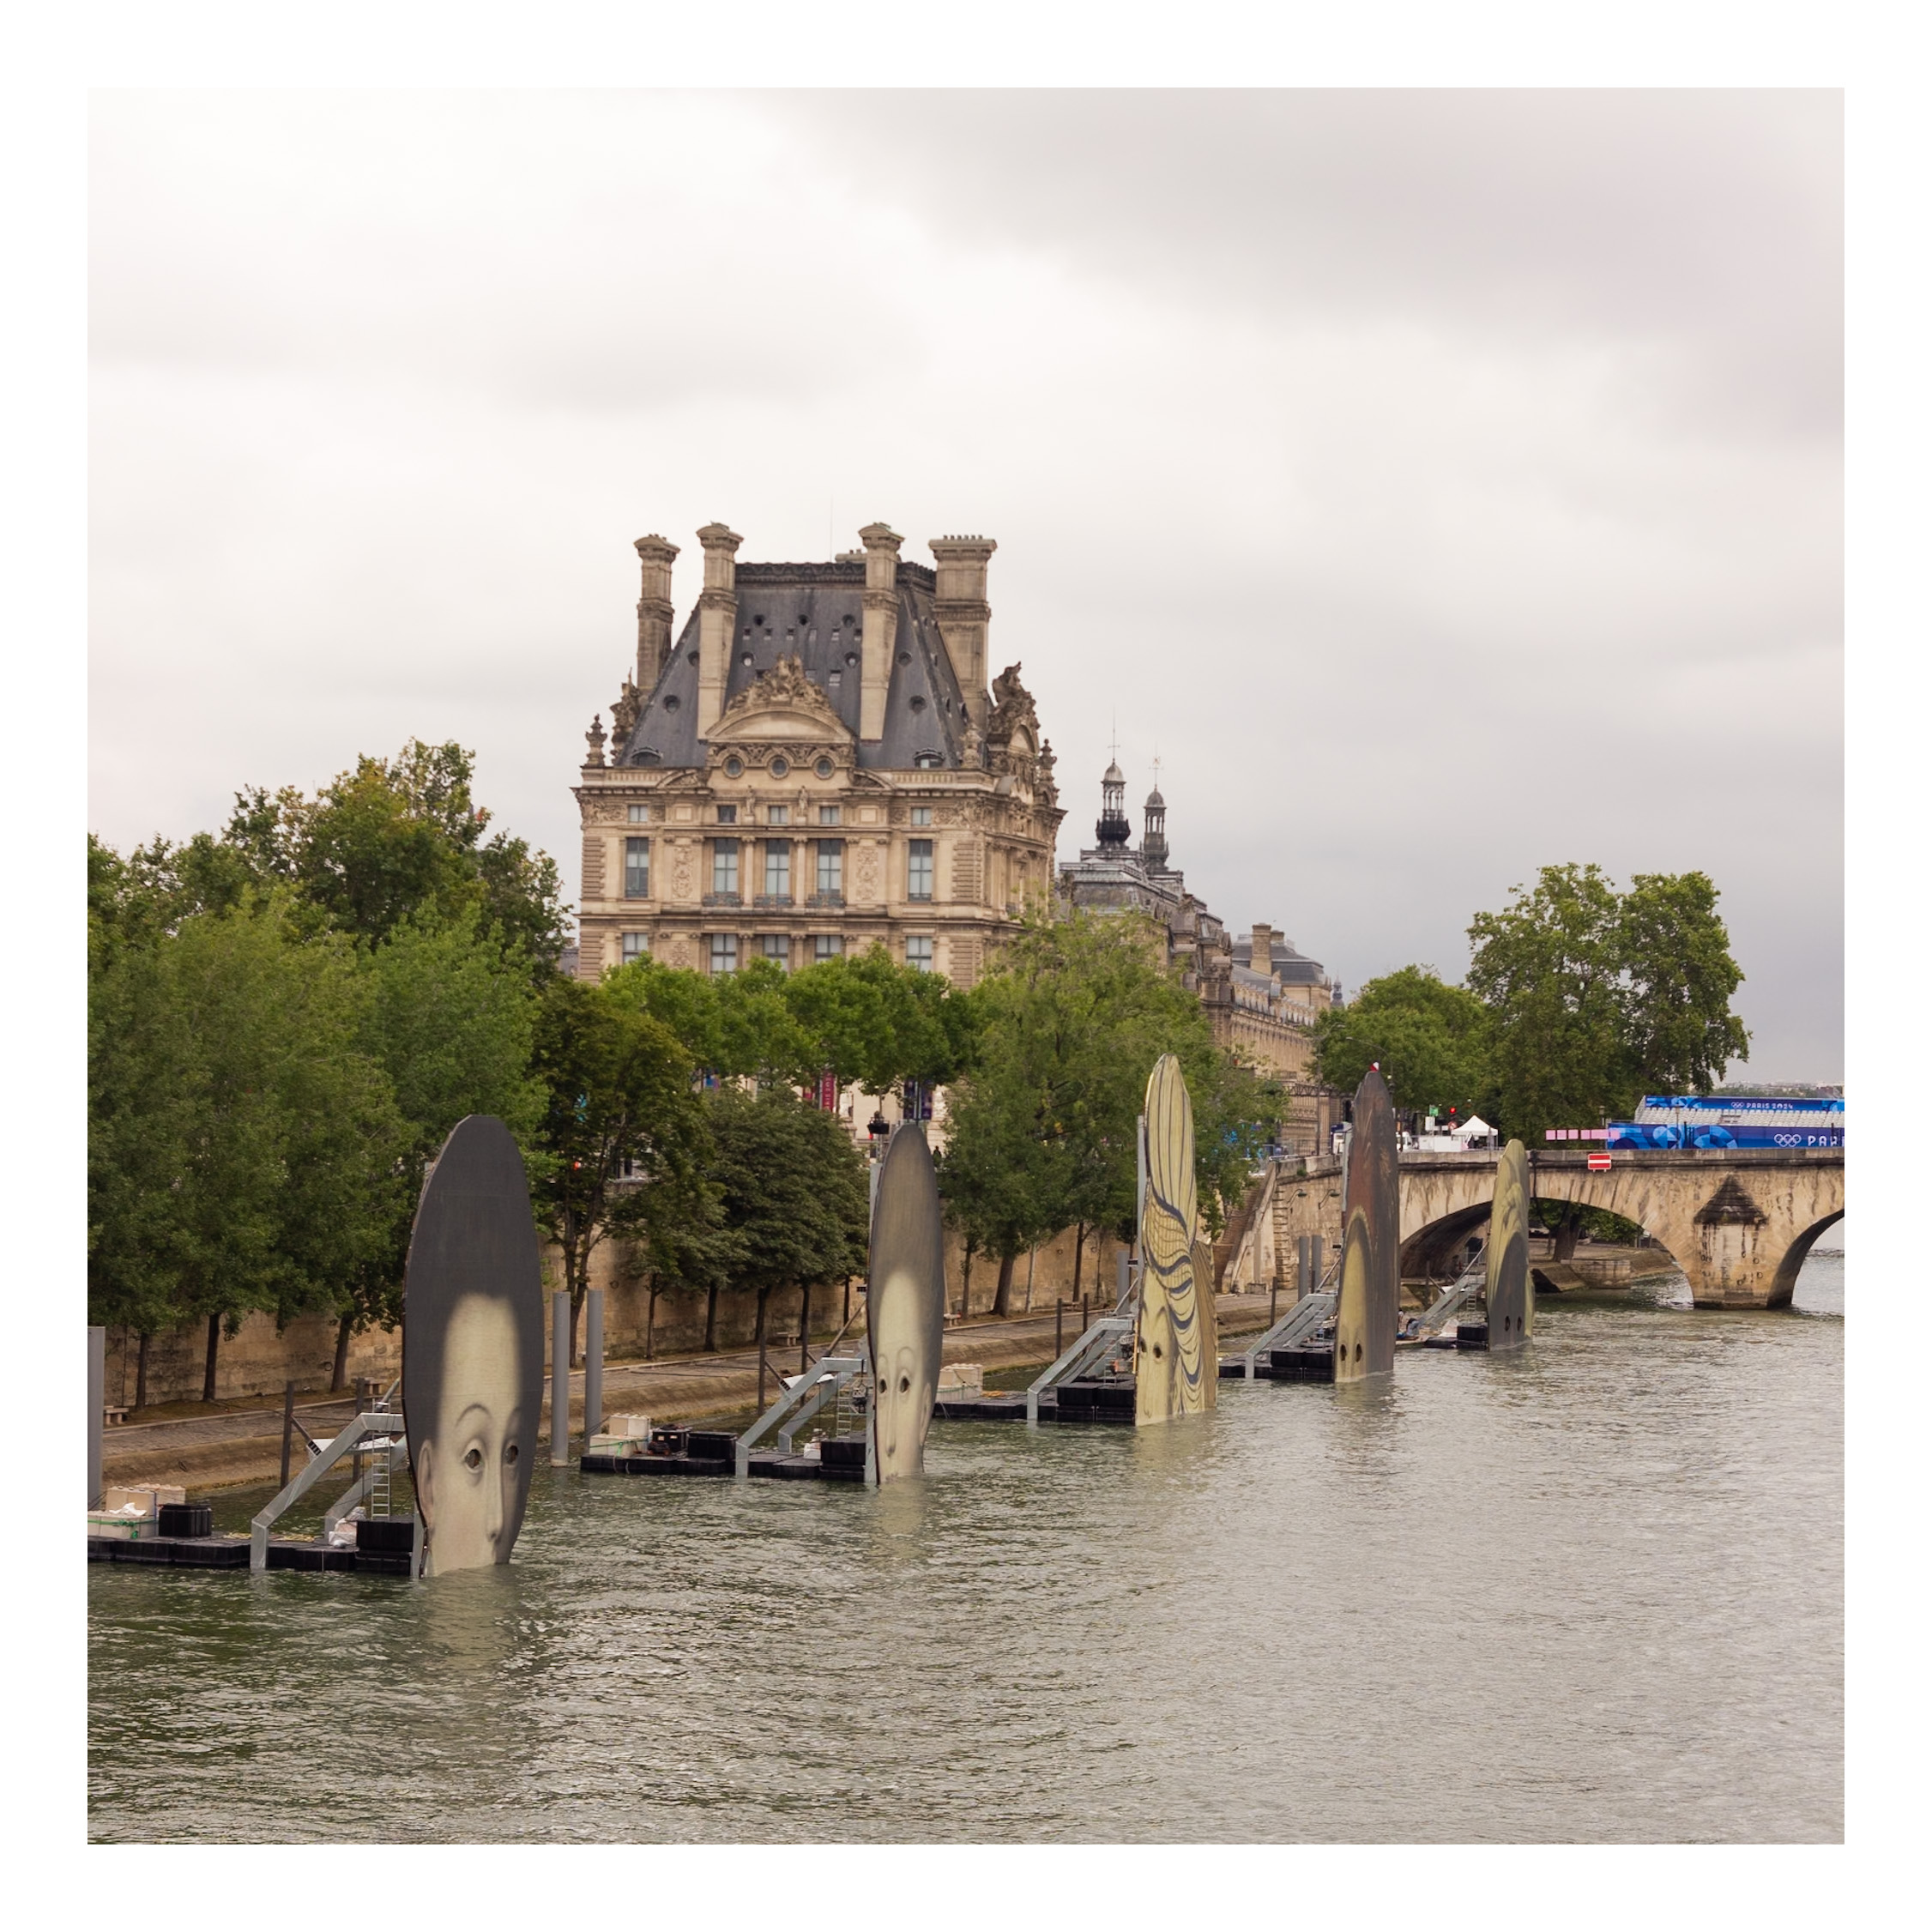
{"x":1442,"y":486}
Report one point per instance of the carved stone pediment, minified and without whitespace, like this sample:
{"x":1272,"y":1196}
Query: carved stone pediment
{"x":781,"y":703}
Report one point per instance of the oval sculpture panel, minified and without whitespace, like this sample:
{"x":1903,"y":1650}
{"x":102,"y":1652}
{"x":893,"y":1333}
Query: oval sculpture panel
{"x":1506,"y":1276}
{"x":1365,"y":1312}
{"x":1175,"y":1368}
{"x":473,"y":1348}
{"x":905,"y":1304}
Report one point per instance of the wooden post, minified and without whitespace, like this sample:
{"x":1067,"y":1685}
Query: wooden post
{"x":288,"y":1429}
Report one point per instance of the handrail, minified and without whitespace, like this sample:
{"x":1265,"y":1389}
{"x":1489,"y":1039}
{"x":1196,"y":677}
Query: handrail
{"x":361,"y":1429}
{"x":1091,"y":1342}
{"x":798,"y":1401}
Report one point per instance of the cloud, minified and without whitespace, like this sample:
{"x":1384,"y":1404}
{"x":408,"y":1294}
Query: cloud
{"x":1443,"y":485}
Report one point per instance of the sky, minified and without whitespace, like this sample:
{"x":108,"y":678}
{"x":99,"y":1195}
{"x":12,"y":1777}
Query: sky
{"x":1440,"y":486}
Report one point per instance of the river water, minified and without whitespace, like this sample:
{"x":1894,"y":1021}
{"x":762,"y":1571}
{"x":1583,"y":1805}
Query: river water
{"x":1592,"y":1591}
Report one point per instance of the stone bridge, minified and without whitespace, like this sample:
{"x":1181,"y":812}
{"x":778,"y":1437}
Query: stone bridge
{"x":1739,"y":1223}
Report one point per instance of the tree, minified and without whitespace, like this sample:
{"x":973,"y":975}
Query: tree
{"x":243,"y":1150}
{"x":1042,"y":1129}
{"x":396,"y":839}
{"x":794,"y":1191}
{"x":1596,"y":997}
{"x":1430,"y":1040}
{"x":623,"y":1142}
{"x":449,"y":1017}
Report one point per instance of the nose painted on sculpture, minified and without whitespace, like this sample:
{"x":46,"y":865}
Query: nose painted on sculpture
{"x":493,"y":1503}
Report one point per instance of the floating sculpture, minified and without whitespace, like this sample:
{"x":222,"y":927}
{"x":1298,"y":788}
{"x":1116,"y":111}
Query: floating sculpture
{"x":1364,"y":1311}
{"x":905,"y":1304}
{"x":473,"y":1348}
{"x":1511,"y":1305}
{"x":1176,"y":1371}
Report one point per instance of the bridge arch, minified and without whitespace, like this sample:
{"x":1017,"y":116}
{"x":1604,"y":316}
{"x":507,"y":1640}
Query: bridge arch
{"x":1785,"y":1281}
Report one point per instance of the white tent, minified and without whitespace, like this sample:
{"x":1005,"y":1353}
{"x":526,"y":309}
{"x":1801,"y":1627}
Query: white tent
{"x":1475,"y":1128}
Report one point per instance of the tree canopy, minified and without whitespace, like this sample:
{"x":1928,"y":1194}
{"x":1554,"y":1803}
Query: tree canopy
{"x":1431,"y":1042}
{"x":1041,"y":1126}
{"x":1596,"y":997}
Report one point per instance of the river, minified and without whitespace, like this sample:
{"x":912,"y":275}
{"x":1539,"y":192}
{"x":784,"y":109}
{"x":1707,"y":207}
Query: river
{"x":1591,"y":1591}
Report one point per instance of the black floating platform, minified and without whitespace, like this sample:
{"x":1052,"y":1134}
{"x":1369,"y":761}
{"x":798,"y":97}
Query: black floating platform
{"x":1473,"y":1335}
{"x":804,"y":1469}
{"x":656,"y":1465}
{"x":192,"y":1553}
{"x":1233,"y":1368}
{"x":230,"y":1553}
{"x":1303,"y":1364}
{"x":980,"y":1407}
{"x":1099,"y":1401}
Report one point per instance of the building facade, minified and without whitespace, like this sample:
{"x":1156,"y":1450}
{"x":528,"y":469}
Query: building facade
{"x":815,"y":763}
{"x":1262,"y":996}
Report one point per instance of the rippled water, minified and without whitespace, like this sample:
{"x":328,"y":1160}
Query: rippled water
{"x":1594,"y":1592}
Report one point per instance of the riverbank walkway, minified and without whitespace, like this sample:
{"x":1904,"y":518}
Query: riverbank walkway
{"x":238,"y":1444}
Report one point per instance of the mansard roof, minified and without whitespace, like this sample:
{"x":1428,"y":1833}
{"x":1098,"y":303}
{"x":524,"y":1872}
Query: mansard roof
{"x":1295,"y":969}
{"x":815,"y":612}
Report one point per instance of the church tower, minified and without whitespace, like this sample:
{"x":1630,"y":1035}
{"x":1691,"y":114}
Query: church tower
{"x":1154,"y":843}
{"x":1112,"y":828}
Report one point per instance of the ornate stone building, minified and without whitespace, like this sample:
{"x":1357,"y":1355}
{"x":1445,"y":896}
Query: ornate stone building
{"x":1262,"y":996}
{"x":817,"y":762}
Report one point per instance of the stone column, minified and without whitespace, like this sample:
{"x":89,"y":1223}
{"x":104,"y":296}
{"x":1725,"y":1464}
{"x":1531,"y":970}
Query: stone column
{"x":963,"y":615}
{"x":717,"y":616}
{"x":654,"y":610}
{"x":881,"y":627}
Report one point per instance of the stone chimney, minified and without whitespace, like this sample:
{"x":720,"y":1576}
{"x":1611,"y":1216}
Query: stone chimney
{"x":717,"y":615}
{"x":654,"y":612}
{"x":964,"y":616}
{"x":1262,"y":959}
{"x":881,"y":628}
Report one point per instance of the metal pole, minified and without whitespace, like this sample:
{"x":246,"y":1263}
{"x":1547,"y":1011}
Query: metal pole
{"x":1314,"y":1263}
{"x":97,"y":1403}
{"x":288,"y":1429}
{"x":1030,"y":1253}
{"x":594,"y":1364}
{"x":1121,"y":1265}
{"x":805,"y":1326}
{"x":560,"y":1378}
{"x":1059,"y":1317}
{"x":761,"y":1368}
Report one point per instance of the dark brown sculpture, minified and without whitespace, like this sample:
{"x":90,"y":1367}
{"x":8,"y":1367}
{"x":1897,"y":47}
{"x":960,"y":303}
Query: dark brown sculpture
{"x":1511,"y":1305}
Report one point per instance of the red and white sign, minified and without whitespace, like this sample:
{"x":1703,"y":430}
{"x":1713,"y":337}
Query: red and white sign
{"x":1599,"y":1164}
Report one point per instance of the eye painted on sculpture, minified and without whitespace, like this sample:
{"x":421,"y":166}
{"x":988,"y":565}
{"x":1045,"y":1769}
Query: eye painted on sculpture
{"x":882,"y":1384}
{"x":510,"y":1452}
{"x":473,"y":1457}
{"x":905,"y":1383}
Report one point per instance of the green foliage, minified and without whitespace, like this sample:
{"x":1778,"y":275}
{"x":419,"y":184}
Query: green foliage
{"x":1431,"y":1041}
{"x":244,"y":1151}
{"x":1597,"y":997}
{"x":622,"y":1142}
{"x":870,"y":1020}
{"x":794,"y":1186}
{"x":1041,"y":1129}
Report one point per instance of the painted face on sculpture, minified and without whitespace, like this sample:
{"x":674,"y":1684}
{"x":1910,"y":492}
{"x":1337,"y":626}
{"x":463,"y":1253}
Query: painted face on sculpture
{"x":470,"y":1468}
{"x":904,"y":1377}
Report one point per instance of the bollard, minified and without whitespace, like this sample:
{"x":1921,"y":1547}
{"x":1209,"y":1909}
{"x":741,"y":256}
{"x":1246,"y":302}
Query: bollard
{"x":97,"y":1405}
{"x":288,"y":1429}
{"x":560,"y":1378}
{"x":593,"y":1364}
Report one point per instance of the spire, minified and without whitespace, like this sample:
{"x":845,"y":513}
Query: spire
{"x":1112,"y":828}
{"x":1154,"y":842}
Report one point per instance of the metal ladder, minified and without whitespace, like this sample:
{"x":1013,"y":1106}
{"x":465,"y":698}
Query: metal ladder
{"x":1308,"y":1316}
{"x":1461,"y":1292}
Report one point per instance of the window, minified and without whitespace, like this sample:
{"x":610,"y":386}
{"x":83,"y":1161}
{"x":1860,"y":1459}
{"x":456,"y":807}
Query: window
{"x":918,"y":869}
{"x":778,"y":868}
{"x":824,"y":767}
{"x":828,"y":815}
{"x":780,"y":766}
{"x":778,"y":947}
{"x":724,"y":865}
{"x":927,"y":761}
{"x":778,"y":815}
{"x":728,"y":814}
{"x":724,"y":952}
{"x":637,"y":868}
{"x":639,"y":814}
{"x":832,"y":866}
{"x":829,"y":945}
{"x":635,"y":945}
{"x":734,"y":767}
{"x":922,"y":815}
{"x":918,"y":955}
